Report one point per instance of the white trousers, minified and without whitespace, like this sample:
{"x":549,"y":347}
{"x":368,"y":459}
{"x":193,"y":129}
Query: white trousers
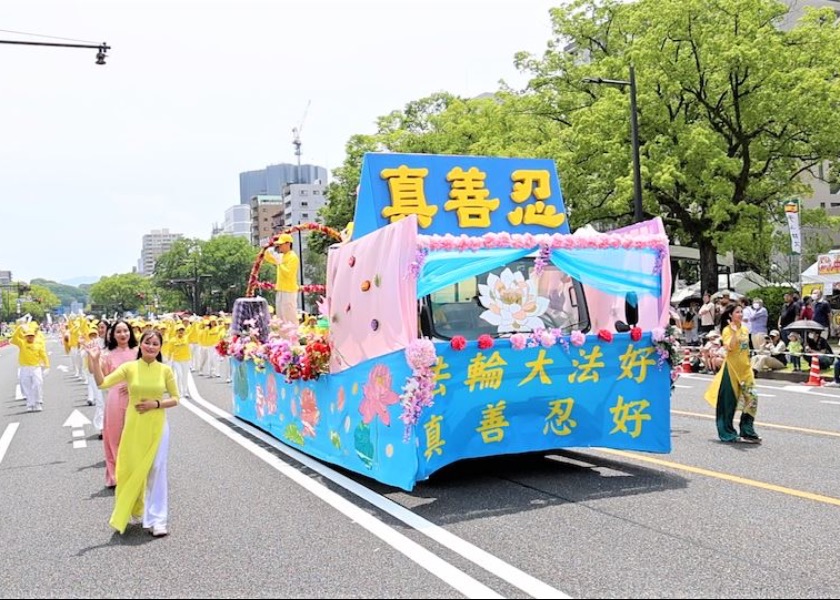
{"x":32,"y":386}
{"x":99,"y":404}
{"x":286,"y":306}
{"x":156,"y":509}
{"x":182,"y":373}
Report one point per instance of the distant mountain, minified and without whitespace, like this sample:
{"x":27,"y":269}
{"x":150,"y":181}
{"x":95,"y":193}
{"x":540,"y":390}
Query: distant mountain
{"x":77,"y":281}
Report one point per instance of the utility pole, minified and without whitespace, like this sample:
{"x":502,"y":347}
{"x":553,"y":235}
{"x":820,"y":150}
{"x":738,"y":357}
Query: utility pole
{"x":638,"y":214}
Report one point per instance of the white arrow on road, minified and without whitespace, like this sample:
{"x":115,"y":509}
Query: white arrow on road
{"x":77,"y":422}
{"x":63,"y":368}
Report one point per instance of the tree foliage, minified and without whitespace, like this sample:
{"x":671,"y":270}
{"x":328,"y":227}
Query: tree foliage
{"x":199,"y":275}
{"x":732,"y":110}
{"x":128,"y":292}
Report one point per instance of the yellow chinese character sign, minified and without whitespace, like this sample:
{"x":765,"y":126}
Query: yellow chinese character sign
{"x":470,"y":195}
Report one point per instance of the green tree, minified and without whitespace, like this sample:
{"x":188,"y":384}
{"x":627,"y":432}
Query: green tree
{"x":732,"y":111}
{"x":128,"y":292}
{"x":227,"y":260}
{"x":196,"y":274}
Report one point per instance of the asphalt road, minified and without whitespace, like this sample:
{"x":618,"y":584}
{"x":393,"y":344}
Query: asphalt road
{"x":250,"y":517}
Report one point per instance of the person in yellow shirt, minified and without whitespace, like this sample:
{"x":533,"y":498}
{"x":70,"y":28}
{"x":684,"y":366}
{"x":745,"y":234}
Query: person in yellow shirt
{"x":181,"y":355}
{"x":286,"y":286}
{"x":33,"y":362}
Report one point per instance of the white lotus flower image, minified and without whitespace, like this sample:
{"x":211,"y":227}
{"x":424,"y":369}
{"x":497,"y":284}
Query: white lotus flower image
{"x":512,"y":303}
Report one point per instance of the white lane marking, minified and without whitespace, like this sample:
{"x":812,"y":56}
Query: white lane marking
{"x":505,"y":571}
{"x":765,"y":395}
{"x":77,"y":422}
{"x":457,"y":579}
{"x":63,"y":368}
{"x":6,"y":438}
{"x":18,"y":393}
{"x":684,"y":387}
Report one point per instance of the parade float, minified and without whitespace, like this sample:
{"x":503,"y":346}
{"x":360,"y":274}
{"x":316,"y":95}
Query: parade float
{"x":464,"y":320}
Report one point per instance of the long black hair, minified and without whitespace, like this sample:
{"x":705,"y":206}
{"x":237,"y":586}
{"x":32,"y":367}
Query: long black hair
{"x":112,"y":341}
{"x":726,"y":316}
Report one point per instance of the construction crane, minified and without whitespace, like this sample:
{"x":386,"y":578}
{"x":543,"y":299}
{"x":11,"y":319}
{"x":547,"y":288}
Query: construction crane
{"x":296,"y":131}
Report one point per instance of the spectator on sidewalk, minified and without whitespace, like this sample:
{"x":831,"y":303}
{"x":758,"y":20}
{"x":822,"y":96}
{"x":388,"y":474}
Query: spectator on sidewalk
{"x":771,"y":355}
{"x":822,"y":312}
{"x":795,"y":350}
{"x":816,"y":345}
{"x":707,"y":315}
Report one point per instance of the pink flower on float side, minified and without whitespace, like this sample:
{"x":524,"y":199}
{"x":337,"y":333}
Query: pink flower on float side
{"x":577,"y":338}
{"x":420,"y":353}
{"x":658,"y":334}
{"x":309,"y":413}
{"x":377,"y":395}
{"x":547,"y":339}
{"x":485,"y":342}
{"x":518,"y":341}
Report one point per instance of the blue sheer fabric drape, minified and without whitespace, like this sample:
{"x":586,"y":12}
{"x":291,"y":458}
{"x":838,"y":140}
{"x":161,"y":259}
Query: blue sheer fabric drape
{"x":443,"y":268}
{"x":615,"y":271}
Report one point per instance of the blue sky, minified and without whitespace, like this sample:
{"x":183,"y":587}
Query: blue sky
{"x":194,"y":93}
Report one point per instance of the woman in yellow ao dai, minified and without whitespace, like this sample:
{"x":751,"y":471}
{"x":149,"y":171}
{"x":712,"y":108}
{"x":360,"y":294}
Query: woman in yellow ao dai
{"x":141,"y":494}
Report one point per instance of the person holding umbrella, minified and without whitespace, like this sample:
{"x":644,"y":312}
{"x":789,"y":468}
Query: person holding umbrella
{"x":733,"y":388}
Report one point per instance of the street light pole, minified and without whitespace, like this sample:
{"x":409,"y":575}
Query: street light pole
{"x":638,"y":214}
{"x":102,"y":48}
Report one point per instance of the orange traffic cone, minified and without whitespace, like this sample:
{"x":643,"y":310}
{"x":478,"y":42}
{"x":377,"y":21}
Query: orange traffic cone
{"x":814,"y":377}
{"x":685,"y":367}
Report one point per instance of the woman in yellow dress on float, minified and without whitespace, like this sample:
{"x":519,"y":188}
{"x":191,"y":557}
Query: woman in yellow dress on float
{"x":141,"y":495}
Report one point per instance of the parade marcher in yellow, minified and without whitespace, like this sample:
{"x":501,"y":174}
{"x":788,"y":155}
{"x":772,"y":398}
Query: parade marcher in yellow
{"x":181,"y":357}
{"x":286,"y":286}
{"x":733,"y":388}
{"x":142,"y":489}
{"x":33,"y":362}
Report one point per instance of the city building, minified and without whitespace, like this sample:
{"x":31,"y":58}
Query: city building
{"x":271,"y":180}
{"x":263,"y":208}
{"x":237,"y":222}
{"x":155,"y":243}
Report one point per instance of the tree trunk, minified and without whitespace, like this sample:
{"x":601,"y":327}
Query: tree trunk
{"x":708,"y":267}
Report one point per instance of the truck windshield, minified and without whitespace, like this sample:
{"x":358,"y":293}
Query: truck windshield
{"x":507,"y":300}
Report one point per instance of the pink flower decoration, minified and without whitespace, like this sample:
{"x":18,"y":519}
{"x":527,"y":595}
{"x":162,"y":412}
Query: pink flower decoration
{"x":518,"y":341}
{"x":377,"y":395}
{"x":605,"y":335}
{"x":485,"y":342}
{"x":636,"y":334}
{"x":658,"y":334}
{"x":547,"y":339}
{"x":577,"y":338}
{"x":459,"y":342}
{"x":309,"y":413}
{"x":420,"y":353}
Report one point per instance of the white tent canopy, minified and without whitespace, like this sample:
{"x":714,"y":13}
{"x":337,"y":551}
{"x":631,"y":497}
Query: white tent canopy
{"x":741,"y":283}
